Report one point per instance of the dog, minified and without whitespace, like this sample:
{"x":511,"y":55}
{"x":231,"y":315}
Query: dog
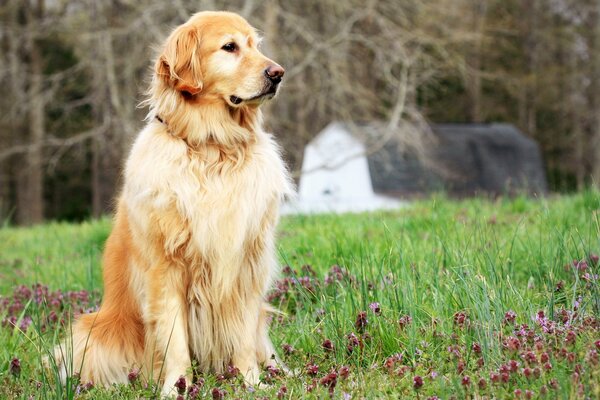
{"x":191,"y":254}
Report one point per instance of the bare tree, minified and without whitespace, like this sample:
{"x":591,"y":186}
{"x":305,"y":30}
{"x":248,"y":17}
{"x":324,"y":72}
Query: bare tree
{"x":593,"y":26}
{"x":402,"y":62}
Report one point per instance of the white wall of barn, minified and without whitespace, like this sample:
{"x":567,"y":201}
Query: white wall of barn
{"x":335,"y":176}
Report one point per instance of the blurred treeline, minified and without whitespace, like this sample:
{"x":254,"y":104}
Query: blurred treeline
{"x":72,"y":74}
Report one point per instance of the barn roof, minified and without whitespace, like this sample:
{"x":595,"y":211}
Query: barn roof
{"x":463,"y":159}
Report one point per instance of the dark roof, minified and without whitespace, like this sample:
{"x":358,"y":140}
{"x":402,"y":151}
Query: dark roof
{"x":465,"y":159}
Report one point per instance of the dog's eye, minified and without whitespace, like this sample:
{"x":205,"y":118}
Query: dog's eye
{"x":230,"y":47}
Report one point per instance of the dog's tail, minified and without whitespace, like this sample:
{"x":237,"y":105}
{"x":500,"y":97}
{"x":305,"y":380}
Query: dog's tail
{"x":103,"y":348}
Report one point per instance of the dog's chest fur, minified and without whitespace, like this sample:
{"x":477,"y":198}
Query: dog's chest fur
{"x":219,"y":196}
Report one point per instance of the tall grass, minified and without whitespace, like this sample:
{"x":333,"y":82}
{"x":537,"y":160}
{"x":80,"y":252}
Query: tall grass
{"x":434,"y":281}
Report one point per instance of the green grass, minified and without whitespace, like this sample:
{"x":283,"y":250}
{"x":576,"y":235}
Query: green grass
{"x":430,"y":261}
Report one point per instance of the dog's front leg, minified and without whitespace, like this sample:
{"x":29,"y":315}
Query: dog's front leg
{"x":245,"y":356}
{"x":167,"y":337}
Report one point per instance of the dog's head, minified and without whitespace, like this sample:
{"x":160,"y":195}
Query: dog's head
{"x":215,"y":56}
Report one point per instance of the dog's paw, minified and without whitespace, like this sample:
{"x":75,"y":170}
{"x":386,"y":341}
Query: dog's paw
{"x":252,"y":376}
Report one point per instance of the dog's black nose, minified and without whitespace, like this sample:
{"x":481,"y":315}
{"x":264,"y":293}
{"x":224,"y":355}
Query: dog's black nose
{"x":274,"y":73}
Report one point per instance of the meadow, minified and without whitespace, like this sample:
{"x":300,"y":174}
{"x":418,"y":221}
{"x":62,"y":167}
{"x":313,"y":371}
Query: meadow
{"x":441,"y":299}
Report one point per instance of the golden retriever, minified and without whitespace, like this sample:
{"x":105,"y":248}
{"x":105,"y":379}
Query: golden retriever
{"x":191,"y":254}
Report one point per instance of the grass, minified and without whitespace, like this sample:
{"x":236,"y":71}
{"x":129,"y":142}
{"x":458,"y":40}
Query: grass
{"x":454,"y":299}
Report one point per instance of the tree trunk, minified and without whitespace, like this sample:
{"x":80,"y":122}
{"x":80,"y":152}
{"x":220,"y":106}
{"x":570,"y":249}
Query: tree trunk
{"x":474,"y":63}
{"x":30,"y":208}
{"x":107,"y":147}
{"x":595,"y":96}
{"x":530,"y":9}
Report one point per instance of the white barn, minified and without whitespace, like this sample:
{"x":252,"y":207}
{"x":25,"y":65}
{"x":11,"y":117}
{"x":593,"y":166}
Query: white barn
{"x":338,"y":175}
{"x":335,"y":176}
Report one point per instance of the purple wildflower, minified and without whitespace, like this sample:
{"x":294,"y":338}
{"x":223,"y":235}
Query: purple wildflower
{"x":375,"y":308}
{"x":404,"y":321}
{"x":330,"y":381}
{"x":344,"y":372}
{"x":466,"y":381}
{"x":461,"y":319}
{"x":282,"y":392}
{"x":327,"y":345}
{"x":218,"y":393}
{"x":312,"y":369}
{"x":361,"y":321}
{"x":288,"y":349}
{"x":193,"y":391}
{"x":509,"y":317}
{"x":417,"y":382}
{"x":181,"y":385}
{"x":231,"y":372}
{"x":133,"y":375}
{"x":15,"y":367}
{"x":352,"y":342}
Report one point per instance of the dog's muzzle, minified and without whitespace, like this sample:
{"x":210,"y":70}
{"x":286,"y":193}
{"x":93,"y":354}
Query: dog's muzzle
{"x":274,"y":74}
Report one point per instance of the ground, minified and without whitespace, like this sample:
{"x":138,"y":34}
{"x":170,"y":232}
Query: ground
{"x":454,"y":299}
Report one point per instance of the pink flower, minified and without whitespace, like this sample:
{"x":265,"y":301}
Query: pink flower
{"x":512,"y":343}
{"x":133,"y":376}
{"x":461,"y":319}
{"x":404,"y":321}
{"x":193,"y":391}
{"x":15,"y":367}
{"x":375,"y":308}
{"x":281,"y":392}
{"x":287,"y":349}
{"x":181,"y":385}
{"x":593,"y":357}
{"x":529,"y":357}
{"x":361,"y":321}
{"x":218,"y":394}
{"x":460,"y":367}
{"x":391,"y":361}
{"x":417,"y":382}
{"x":509,"y":317}
{"x":494,"y":377}
{"x":344,"y":372}
{"x":352,"y":342}
{"x":330,"y":381}
{"x":327,"y":345}
{"x":312,"y":369}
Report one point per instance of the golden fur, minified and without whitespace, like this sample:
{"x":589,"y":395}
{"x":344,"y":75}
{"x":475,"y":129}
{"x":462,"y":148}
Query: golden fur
{"x":191,"y":254}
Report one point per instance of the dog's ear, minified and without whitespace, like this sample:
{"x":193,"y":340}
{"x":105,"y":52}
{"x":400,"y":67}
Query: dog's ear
{"x":179,"y":62}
